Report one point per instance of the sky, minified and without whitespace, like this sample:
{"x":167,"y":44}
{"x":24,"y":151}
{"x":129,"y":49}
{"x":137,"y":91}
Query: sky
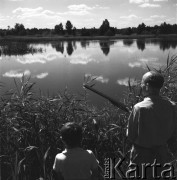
{"x":87,"y":13}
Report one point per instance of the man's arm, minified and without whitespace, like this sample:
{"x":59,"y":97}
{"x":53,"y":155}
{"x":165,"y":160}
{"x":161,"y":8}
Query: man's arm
{"x":172,"y":142}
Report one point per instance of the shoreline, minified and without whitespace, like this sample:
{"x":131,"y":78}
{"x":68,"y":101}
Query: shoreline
{"x":80,"y":38}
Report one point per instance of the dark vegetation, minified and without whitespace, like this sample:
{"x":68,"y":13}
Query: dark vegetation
{"x":104,"y":30}
{"x":11,"y":48}
{"x":30,"y":126}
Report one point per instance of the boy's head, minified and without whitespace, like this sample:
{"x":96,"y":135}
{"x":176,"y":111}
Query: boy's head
{"x":71,"y":134}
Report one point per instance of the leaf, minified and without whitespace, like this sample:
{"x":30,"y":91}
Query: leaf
{"x":92,"y":85}
{"x":115,"y":125}
{"x":15,"y":129}
{"x":129,"y":85}
{"x":16,"y":86}
{"x":20,"y":165}
{"x":148,"y":67}
{"x":111,"y":129}
{"x":44,"y":160}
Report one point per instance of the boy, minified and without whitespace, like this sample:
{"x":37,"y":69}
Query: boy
{"x":74,"y":163}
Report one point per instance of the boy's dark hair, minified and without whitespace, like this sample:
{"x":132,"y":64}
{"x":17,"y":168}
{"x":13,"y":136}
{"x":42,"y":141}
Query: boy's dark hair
{"x":71,"y":134}
{"x":155,"y":80}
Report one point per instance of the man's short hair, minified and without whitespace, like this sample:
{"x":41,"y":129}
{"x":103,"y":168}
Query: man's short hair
{"x":154,"y":79}
{"x":71,"y":134}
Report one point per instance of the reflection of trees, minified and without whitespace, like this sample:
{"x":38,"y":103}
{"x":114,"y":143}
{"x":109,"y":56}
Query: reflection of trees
{"x":128,"y":42}
{"x":59,"y":47}
{"x":69,"y":48}
{"x":105,"y":46}
{"x":18,"y":48}
{"x":74,"y":45}
{"x":140,"y":44}
{"x":85,"y":44}
{"x":164,"y":44}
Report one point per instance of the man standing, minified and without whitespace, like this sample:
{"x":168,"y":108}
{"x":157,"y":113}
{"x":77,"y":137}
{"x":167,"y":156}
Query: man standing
{"x":152,"y":123}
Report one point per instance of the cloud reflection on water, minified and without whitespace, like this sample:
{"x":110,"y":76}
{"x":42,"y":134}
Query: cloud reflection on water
{"x":19,"y":73}
{"x":125,"y":81}
{"x":16,"y":73}
{"x":100,"y":78}
{"x":42,"y":75}
{"x":81,"y":59}
{"x":38,"y":58}
{"x":142,"y":62}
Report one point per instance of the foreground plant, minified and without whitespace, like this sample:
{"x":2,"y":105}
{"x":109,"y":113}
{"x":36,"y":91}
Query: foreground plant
{"x":30,"y":126}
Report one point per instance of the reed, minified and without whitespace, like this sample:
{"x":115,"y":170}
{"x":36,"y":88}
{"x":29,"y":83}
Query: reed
{"x":30,"y":126}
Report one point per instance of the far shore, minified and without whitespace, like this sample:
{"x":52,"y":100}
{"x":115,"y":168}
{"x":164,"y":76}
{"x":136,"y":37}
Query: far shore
{"x":79,"y":38}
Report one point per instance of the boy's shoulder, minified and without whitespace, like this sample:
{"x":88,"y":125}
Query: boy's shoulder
{"x":80,"y":150}
{"x":60,"y":156}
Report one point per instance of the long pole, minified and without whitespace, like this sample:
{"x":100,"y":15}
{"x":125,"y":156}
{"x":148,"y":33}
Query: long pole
{"x":113,"y":101}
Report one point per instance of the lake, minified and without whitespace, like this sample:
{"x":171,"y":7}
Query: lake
{"x":56,"y":65}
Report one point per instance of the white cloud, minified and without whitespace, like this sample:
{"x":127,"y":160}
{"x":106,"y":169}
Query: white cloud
{"x":15,"y":0}
{"x":102,"y":79}
{"x":17,"y":73}
{"x":149,"y":5}
{"x":42,"y":75}
{"x":48,"y":12}
{"x":98,"y":78}
{"x":158,"y":16}
{"x":151,"y":61}
{"x":170,"y":20}
{"x":24,"y":13}
{"x":148,"y":19}
{"x":27,"y":10}
{"x":80,"y":7}
{"x":81,"y":59}
{"x":147,"y":60}
{"x":101,"y":7}
{"x":160,"y":0}
{"x":38,"y":58}
{"x":28,"y":59}
{"x":132,"y":16}
{"x":2,"y":18}
{"x":134,"y":64}
{"x":77,"y":13}
{"x":83,"y":7}
{"x":125,"y":81}
{"x":138,"y":1}
{"x":130,"y":50}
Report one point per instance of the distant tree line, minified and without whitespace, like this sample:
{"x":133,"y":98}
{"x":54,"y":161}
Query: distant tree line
{"x":164,"y":28}
{"x":104,"y":30}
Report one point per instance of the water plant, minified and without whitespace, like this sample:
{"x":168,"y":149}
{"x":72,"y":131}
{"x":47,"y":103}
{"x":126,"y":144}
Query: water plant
{"x":30,"y":126}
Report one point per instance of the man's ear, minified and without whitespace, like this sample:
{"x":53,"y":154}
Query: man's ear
{"x":61,"y":139}
{"x":147,"y":86}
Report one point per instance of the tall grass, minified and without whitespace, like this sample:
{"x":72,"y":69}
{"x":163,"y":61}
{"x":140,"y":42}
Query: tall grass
{"x":30,"y":126}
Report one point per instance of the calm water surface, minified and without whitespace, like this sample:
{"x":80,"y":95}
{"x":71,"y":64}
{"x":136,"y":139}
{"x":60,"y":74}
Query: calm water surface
{"x":57,"y":64}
